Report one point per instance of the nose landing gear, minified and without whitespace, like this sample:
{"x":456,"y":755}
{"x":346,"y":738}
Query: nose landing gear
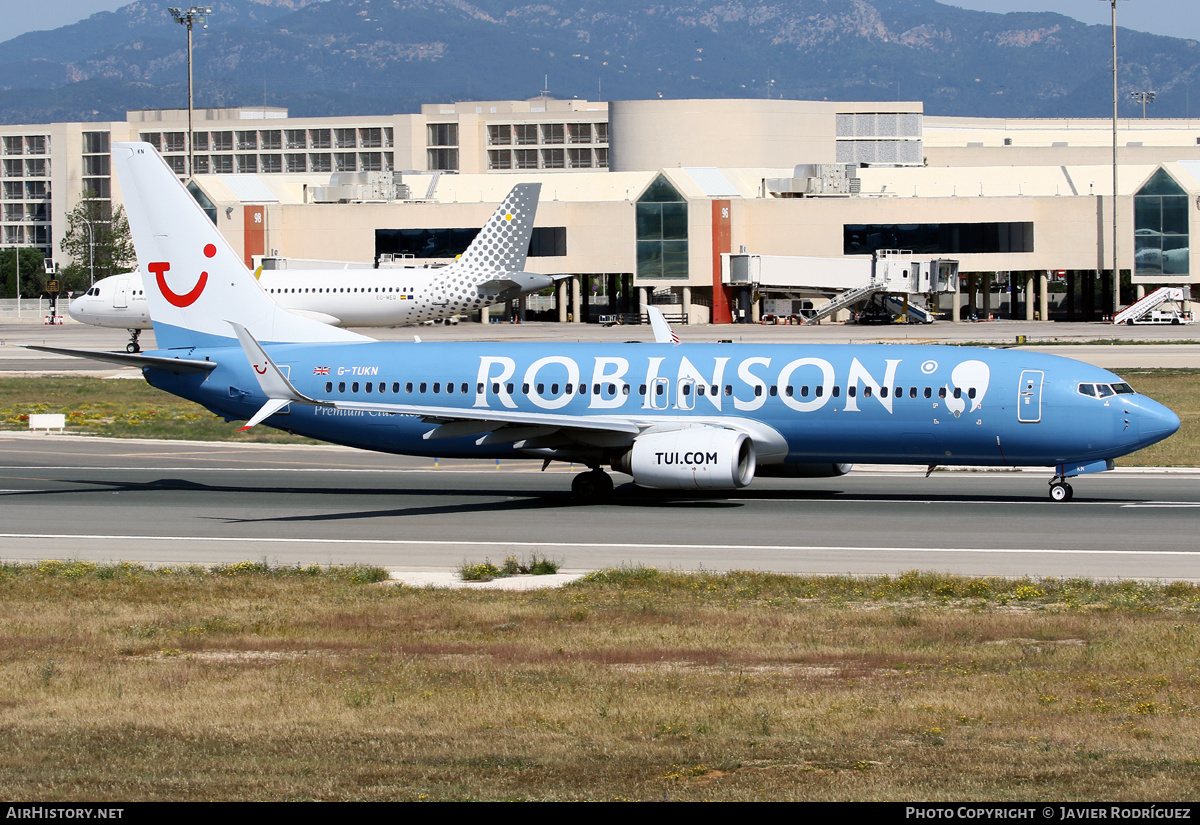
{"x":133,"y":345}
{"x":1060,"y":490}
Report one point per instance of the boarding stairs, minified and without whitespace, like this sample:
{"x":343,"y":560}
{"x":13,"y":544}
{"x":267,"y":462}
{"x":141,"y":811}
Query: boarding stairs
{"x":844,"y":300}
{"x":1140,"y":309}
{"x":915,"y":310}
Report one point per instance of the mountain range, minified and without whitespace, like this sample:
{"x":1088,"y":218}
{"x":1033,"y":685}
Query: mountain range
{"x":359,"y":57}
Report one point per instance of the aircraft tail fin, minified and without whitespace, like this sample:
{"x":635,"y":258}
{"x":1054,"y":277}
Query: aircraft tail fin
{"x":503,"y":243}
{"x":663,"y":334}
{"x":194,"y":280}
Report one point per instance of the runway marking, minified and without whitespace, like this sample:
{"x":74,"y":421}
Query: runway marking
{"x":1164,"y":504}
{"x":538,"y":545}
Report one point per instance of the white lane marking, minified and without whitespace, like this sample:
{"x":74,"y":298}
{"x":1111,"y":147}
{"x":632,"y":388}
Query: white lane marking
{"x":487,"y":469}
{"x":800,"y":548}
{"x":1164,"y":504}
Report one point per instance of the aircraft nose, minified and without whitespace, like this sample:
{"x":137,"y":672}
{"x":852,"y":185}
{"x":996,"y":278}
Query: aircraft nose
{"x":75,"y":309}
{"x":1161,"y":423}
{"x":1156,"y":421}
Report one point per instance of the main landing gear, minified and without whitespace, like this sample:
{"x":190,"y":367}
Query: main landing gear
{"x":594,"y":487}
{"x":1060,"y":490}
{"x":133,"y":345}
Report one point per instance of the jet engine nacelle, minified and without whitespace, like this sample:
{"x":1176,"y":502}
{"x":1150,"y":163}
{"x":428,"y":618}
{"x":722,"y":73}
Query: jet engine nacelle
{"x":699,"y":458}
{"x":807,"y":470}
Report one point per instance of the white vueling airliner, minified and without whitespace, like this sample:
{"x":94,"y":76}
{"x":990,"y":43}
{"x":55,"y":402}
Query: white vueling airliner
{"x":673,"y":416}
{"x":491,"y":270}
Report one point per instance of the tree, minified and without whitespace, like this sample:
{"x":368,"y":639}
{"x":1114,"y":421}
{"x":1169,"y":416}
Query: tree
{"x":97,"y":241}
{"x":33,"y":275}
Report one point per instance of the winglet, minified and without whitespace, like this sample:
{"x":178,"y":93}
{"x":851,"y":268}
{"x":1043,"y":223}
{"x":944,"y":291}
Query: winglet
{"x":663,"y":334}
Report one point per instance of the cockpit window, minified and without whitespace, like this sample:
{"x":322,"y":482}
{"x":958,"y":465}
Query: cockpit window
{"x":1105,"y":390}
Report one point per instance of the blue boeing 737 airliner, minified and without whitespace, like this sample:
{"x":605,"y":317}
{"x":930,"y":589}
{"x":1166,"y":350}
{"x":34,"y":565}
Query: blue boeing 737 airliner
{"x":672,"y":416}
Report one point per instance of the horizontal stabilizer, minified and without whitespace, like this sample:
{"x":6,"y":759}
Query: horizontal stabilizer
{"x":498,"y":285}
{"x":323,"y":317}
{"x":272,"y":406}
{"x":178,"y":365}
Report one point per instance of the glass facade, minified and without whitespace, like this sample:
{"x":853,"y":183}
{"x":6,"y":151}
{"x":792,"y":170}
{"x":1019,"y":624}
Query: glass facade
{"x":939,"y":238}
{"x":546,"y":241}
{"x":1160,"y":227}
{"x":662,"y":232}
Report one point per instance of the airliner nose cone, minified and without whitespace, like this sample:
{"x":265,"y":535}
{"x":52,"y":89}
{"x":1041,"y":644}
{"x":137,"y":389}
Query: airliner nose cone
{"x":1158,"y":423}
{"x":75,"y":310}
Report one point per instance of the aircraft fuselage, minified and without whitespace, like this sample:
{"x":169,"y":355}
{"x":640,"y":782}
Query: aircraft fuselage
{"x":802,"y":403}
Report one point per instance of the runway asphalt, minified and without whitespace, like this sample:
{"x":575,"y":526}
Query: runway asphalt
{"x":186,"y":502}
{"x":176,"y":503}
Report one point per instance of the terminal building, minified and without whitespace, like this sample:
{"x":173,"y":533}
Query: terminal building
{"x":674,"y":202}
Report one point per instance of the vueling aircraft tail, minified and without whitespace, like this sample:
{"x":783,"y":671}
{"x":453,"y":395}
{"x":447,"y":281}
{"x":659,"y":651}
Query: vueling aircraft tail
{"x":491,"y":269}
{"x":503,"y":243}
{"x":195,"y":282}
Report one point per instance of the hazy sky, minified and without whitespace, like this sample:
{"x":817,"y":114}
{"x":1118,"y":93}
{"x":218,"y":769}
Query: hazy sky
{"x":22,"y":16}
{"x":1179,"y":18}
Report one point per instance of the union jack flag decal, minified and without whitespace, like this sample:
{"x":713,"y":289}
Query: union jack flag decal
{"x":320,"y":370}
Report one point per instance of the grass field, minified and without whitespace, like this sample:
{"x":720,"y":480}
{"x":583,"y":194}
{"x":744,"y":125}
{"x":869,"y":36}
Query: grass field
{"x":133,"y":409}
{"x":121,"y":683}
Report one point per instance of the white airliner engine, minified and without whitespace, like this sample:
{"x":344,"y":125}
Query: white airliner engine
{"x":694,"y":458}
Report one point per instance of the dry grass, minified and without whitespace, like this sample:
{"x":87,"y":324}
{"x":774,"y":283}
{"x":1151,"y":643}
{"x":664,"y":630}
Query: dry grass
{"x":1180,"y":390}
{"x":122,"y":684}
{"x":121,"y":409}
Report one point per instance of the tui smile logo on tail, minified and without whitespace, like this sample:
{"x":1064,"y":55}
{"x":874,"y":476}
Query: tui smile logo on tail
{"x":160,"y":268}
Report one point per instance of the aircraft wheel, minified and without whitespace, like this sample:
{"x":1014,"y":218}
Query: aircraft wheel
{"x":593,"y":487}
{"x":132,"y":347}
{"x":1061,"y":491}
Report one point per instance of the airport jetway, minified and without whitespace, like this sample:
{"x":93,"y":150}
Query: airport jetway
{"x":845,"y":281}
{"x":1162,"y":306}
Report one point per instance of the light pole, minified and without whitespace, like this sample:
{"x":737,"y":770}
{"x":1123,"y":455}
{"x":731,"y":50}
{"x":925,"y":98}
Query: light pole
{"x":1116,"y":272}
{"x":195,"y":14}
{"x":1142,"y":98}
{"x":91,"y":251}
